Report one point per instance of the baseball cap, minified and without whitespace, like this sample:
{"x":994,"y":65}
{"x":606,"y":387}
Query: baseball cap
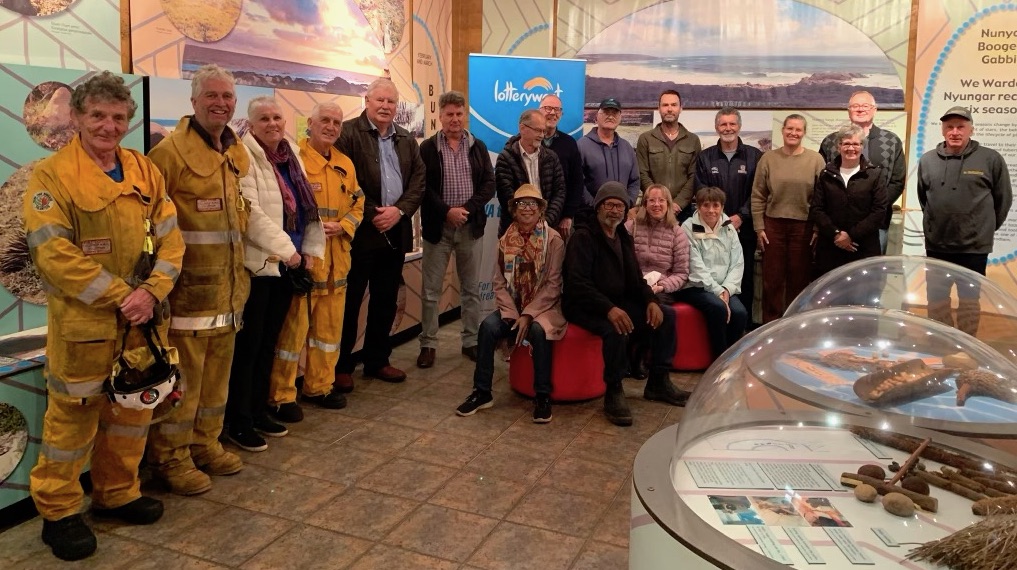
{"x":610,"y":103}
{"x":958,"y":111}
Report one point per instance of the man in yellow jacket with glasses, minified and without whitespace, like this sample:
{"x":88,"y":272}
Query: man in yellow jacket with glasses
{"x":316,"y":322}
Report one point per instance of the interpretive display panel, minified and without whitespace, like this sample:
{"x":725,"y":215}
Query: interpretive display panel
{"x":776,"y":489}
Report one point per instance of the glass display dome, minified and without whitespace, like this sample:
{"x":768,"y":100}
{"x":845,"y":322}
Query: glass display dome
{"x":922,"y":286}
{"x":760,"y":471}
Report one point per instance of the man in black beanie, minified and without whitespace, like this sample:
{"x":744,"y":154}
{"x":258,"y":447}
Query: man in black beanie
{"x":604,"y":293}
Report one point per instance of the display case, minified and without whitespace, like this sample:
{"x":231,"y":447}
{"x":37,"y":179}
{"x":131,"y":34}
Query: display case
{"x":922,"y":286}
{"x":762,"y":470}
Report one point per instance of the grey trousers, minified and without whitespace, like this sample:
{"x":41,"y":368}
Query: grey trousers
{"x":433,"y":266}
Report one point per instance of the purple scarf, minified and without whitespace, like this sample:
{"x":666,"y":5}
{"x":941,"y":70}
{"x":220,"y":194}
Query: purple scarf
{"x":285,"y":155}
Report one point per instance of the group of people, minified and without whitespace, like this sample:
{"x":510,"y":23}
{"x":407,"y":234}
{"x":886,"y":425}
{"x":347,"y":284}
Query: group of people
{"x":209,"y":265}
{"x":234,"y":255}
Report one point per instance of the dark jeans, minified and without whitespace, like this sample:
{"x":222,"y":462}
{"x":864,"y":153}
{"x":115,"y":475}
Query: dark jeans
{"x":747,"y":237}
{"x":254,"y":351}
{"x":382,"y":269}
{"x":662,"y":340}
{"x":939,"y":283}
{"x":722,"y":333}
{"x":493,"y":329}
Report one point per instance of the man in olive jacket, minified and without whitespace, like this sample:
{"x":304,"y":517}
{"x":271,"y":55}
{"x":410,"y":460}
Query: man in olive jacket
{"x":667,"y":155}
{"x":391,"y":174}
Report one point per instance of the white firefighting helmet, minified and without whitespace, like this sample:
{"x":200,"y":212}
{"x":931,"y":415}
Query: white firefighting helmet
{"x":145,"y":377}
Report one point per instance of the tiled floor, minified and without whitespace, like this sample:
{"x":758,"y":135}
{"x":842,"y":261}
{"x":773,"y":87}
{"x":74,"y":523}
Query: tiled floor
{"x":398,"y":481}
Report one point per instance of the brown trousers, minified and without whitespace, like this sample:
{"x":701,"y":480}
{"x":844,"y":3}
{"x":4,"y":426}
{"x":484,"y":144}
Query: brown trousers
{"x":787,"y":264}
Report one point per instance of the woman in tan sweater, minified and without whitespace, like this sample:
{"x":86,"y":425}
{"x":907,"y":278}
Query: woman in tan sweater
{"x":781,"y":192}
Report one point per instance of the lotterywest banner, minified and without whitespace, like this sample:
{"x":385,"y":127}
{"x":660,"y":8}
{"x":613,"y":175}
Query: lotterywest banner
{"x":501,"y":88}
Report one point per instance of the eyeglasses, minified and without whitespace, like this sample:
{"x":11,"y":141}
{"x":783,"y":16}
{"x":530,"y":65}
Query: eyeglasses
{"x":533,"y":204}
{"x":850,"y":144}
{"x":532,"y":128}
{"x":861,"y":107}
{"x":551,"y":110}
{"x":613,"y":205}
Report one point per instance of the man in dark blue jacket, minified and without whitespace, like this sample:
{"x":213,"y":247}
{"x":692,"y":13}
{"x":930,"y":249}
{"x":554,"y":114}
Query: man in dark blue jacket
{"x":459,"y":183}
{"x":571,"y":161}
{"x":731,"y":165}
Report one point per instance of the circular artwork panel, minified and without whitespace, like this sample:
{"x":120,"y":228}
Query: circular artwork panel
{"x":47,"y":115}
{"x":37,"y":7}
{"x":13,"y":439}
{"x":17,"y":272}
{"x":203,"y":20}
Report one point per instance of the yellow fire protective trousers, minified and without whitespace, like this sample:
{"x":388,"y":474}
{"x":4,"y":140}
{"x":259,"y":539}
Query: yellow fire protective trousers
{"x":322,"y":340}
{"x":81,"y":423}
{"x":190,"y":435}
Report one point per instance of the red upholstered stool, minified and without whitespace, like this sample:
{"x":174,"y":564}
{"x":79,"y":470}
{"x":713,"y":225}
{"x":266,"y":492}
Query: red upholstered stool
{"x":577,"y":367}
{"x":693,"y":351}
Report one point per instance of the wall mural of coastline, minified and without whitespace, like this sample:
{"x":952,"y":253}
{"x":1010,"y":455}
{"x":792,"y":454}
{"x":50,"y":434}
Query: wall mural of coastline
{"x":335,"y":47}
{"x":747,"y":53}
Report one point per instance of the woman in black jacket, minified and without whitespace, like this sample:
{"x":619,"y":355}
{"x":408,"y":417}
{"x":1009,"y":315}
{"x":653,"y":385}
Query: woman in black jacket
{"x":848,"y":205}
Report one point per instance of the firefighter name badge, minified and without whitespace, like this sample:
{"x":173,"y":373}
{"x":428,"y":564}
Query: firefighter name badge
{"x":42,"y":201}
{"x":316,"y":186}
{"x":209,"y":204}
{"x":97,"y":246}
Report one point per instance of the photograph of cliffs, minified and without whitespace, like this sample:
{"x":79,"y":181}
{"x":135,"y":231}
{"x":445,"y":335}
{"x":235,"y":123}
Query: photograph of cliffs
{"x":716,"y":54}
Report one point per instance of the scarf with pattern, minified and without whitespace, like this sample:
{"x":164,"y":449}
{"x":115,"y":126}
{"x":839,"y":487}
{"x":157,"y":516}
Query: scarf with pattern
{"x":309,"y":206}
{"x":523,"y":257}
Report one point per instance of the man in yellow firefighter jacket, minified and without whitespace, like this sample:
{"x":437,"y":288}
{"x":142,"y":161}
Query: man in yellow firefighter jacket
{"x":203,"y":162}
{"x":93,"y":210}
{"x":341,"y":207}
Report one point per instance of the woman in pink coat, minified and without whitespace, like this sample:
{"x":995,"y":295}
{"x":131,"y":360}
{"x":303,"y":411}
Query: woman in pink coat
{"x":662,"y":248}
{"x":527,"y":287}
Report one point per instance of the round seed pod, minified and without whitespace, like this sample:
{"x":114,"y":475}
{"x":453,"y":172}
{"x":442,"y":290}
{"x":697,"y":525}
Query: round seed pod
{"x":874,"y":471}
{"x":915,"y":484}
{"x":898,"y":504}
{"x":866,"y":493}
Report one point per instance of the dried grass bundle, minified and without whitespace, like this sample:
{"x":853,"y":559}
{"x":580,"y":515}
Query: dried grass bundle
{"x":985,"y":545}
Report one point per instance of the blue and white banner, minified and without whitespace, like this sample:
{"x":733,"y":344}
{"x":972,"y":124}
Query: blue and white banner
{"x":502,"y":87}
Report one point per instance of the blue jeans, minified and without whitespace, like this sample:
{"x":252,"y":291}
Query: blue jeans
{"x":722,"y":333}
{"x":493,"y":329}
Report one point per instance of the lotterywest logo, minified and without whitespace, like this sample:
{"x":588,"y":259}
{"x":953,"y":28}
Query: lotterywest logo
{"x":532,"y":92}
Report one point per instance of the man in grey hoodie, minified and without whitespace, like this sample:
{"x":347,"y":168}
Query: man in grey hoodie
{"x":964,"y":190}
{"x":606,"y":156}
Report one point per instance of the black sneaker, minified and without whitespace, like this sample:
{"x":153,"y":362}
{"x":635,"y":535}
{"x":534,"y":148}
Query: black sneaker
{"x":478,"y":400}
{"x":289,"y":412}
{"x":248,"y":440}
{"x":268,"y":428}
{"x":334,"y":400}
{"x":143,"y":510}
{"x":542,"y":409}
{"x":70,"y":538}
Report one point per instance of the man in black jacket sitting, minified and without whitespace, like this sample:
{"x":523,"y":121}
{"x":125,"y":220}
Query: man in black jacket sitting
{"x":604,"y":293}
